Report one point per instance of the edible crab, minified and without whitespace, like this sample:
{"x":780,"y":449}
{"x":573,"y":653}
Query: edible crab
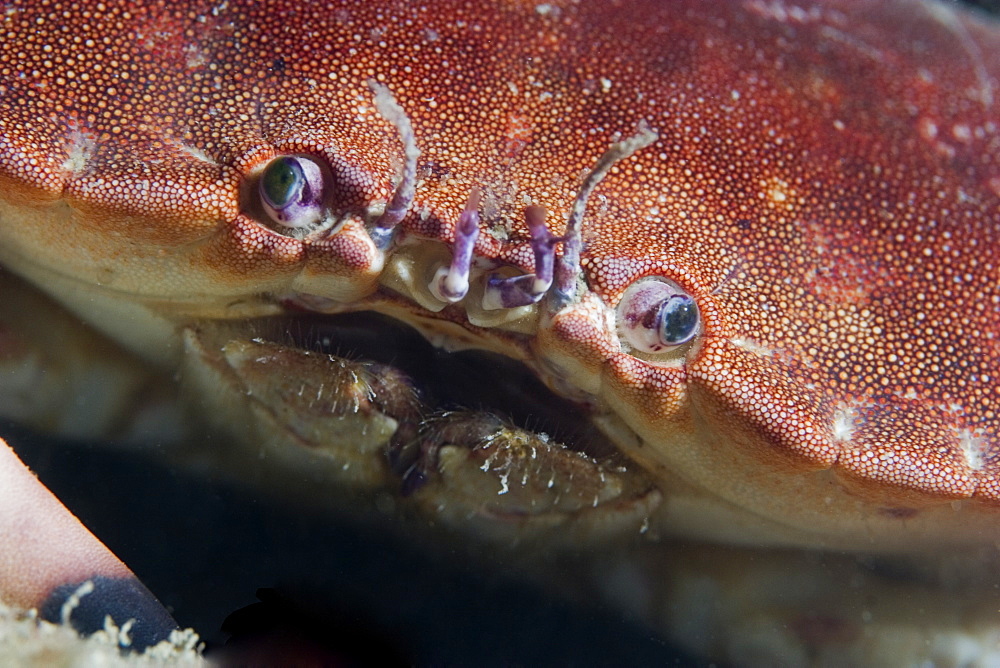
{"x":751,"y":244}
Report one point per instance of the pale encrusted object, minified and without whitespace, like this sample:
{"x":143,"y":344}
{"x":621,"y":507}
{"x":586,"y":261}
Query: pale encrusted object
{"x":27,"y":640}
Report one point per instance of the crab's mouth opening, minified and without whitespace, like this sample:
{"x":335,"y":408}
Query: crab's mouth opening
{"x":475,"y":381}
{"x":362,"y":403}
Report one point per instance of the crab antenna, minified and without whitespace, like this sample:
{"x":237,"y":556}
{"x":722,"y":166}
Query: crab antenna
{"x":402,"y":198}
{"x":528,"y":289}
{"x":568,"y":268}
{"x":451,"y":283}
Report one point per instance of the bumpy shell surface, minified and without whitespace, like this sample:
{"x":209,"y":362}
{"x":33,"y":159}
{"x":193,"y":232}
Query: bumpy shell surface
{"x":825,"y":184}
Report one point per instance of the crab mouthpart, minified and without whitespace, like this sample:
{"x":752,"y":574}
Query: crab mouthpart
{"x":365,"y":404}
{"x":444,"y":381}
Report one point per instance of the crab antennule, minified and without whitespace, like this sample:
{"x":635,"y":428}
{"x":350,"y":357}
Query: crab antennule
{"x":528,"y":289}
{"x":402,"y":198}
{"x":569,"y":266}
{"x":451,"y":283}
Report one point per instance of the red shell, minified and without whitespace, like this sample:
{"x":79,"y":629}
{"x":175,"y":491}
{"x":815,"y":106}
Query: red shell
{"x":826,"y":180}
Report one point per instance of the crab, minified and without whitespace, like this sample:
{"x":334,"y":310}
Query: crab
{"x":748,"y":249}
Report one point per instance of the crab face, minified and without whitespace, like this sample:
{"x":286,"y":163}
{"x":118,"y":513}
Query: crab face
{"x":764,"y":268}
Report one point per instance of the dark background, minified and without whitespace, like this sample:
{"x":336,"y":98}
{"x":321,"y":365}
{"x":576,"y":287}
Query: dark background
{"x":331,"y":589}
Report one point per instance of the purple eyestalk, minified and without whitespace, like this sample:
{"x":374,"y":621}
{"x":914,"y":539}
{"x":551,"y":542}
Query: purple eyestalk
{"x":528,"y":289}
{"x":292,"y":192}
{"x":451,"y":283}
{"x":569,"y":266}
{"x":402,"y":198}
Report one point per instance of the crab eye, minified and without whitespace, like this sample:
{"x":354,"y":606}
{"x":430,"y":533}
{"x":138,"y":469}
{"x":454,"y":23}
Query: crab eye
{"x":678,"y":319}
{"x":282,"y":182}
{"x":292,"y":191}
{"x":655,"y":315}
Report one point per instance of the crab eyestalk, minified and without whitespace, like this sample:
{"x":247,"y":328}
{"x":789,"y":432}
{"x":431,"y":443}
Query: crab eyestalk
{"x":528,"y":289}
{"x":451,"y":283}
{"x":401,"y":200}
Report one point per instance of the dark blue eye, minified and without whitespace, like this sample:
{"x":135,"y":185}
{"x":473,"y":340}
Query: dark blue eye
{"x":655,"y":315}
{"x":282,"y":182}
{"x":292,"y":191}
{"x":678,"y":320}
